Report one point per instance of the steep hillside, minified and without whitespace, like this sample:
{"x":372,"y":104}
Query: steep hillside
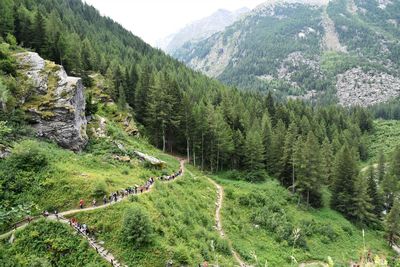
{"x":291,"y":48}
{"x":201,"y":29}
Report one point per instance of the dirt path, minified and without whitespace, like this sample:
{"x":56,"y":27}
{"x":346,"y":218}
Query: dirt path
{"x":218,"y":222}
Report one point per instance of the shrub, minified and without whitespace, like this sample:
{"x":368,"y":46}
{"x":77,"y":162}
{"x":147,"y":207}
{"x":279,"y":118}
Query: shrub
{"x":99,"y":190}
{"x":136,"y":230}
{"x":233,"y":175}
{"x":181,"y":255}
{"x":28,"y":156}
{"x":256,"y":176}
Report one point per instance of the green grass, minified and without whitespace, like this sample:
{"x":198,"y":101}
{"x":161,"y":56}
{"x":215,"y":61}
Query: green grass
{"x":385,"y":137}
{"x":47,"y":243}
{"x":323,"y":232}
{"x":182,"y":214}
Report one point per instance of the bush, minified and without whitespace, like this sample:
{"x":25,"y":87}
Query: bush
{"x":136,"y":230}
{"x":256,"y":176}
{"x":234,"y":175}
{"x":28,"y":156}
{"x":181,"y":255}
{"x":99,"y":190}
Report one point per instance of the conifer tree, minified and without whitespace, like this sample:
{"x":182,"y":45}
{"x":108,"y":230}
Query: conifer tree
{"x":287,"y":171}
{"x":381,"y":166}
{"x":254,"y":150}
{"x":121,"y":98}
{"x":373,"y":193}
{"x":344,"y":189}
{"x":39,"y":33}
{"x":278,"y":141}
{"x":327,"y":162}
{"x":6,"y":18}
{"x":362,"y":210}
{"x":308,"y":174}
{"x":393,"y":223}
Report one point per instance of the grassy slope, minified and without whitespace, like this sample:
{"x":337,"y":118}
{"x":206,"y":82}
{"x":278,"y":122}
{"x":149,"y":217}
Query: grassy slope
{"x":183,"y":218}
{"x":47,"y":243}
{"x":249,"y":239}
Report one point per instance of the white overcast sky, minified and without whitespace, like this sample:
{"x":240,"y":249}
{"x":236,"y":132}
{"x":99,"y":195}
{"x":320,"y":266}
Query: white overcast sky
{"x":155,"y":19}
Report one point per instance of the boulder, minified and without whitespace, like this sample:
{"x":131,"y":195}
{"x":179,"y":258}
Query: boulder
{"x":55,"y":103}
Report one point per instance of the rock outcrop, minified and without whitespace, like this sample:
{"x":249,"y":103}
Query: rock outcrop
{"x":55,"y":102}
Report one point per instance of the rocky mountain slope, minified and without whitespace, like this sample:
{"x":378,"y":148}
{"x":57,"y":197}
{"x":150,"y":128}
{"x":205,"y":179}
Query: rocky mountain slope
{"x":308,"y":50}
{"x":201,"y":29}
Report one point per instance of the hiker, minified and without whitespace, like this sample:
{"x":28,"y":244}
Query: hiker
{"x":29,"y":218}
{"x":81,"y":203}
{"x":56,"y":214}
{"x":94,"y":202}
{"x":46,"y":213}
{"x":105,"y":199}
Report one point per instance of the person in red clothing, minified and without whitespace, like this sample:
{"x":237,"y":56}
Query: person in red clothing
{"x":81,"y":203}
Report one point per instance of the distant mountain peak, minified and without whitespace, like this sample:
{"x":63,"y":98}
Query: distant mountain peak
{"x":201,"y":29}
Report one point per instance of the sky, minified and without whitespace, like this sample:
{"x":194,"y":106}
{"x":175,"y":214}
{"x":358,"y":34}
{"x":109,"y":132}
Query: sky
{"x":153,"y":20}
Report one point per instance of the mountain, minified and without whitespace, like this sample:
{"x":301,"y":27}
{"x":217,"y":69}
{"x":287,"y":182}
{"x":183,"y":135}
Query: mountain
{"x":344,"y":51}
{"x":201,"y":29}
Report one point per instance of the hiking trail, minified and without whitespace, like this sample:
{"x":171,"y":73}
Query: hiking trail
{"x":105,"y":254}
{"x":218,"y":222}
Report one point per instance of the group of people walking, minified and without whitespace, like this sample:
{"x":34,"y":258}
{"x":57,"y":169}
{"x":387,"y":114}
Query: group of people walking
{"x":170,"y":177}
{"x":82,"y":228}
{"x":132,"y":190}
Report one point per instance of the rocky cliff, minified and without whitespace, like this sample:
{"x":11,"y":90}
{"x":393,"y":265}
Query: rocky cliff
{"x":55,"y":102}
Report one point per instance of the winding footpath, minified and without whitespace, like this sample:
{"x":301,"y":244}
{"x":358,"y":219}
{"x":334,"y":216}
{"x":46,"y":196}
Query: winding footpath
{"x":218,"y":222}
{"x":92,"y":241}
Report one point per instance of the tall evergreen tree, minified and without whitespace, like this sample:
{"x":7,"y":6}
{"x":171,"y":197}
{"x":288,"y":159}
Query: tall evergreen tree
{"x":393,"y":223}
{"x":308,"y":174}
{"x":363,"y":211}
{"x":344,"y":189}
{"x":373,"y":193}
{"x":6,"y":18}
{"x":381,"y":166}
{"x":39,"y":33}
{"x":254,"y":150}
{"x":287,"y":171}
{"x":327,"y":162}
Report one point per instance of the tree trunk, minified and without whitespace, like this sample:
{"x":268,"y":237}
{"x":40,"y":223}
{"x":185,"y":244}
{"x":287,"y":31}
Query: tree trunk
{"x":163,"y":146}
{"x":202,"y":151}
{"x":188,"y":149}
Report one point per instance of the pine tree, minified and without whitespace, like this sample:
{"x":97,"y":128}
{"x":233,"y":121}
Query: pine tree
{"x":393,"y":223}
{"x":287,"y":171}
{"x":389,"y":189}
{"x":39,"y":33}
{"x":131,"y":82}
{"x":308,"y":174}
{"x":344,"y":189}
{"x":6,"y":18}
{"x":395,"y":166}
{"x":141,"y":93}
{"x":121,"y":98}
{"x":381,"y":166}
{"x":362,"y":210}
{"x":373,"y":193}
{"x":327,"y":162}
{"x":254,"y":150}
{"x":267,"y":139}
{"x":278,"y":141}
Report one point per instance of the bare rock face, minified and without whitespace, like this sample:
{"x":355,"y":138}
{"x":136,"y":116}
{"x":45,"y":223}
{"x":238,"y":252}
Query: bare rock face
{"x":55,"y":103}
{"x":356,"y":87}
